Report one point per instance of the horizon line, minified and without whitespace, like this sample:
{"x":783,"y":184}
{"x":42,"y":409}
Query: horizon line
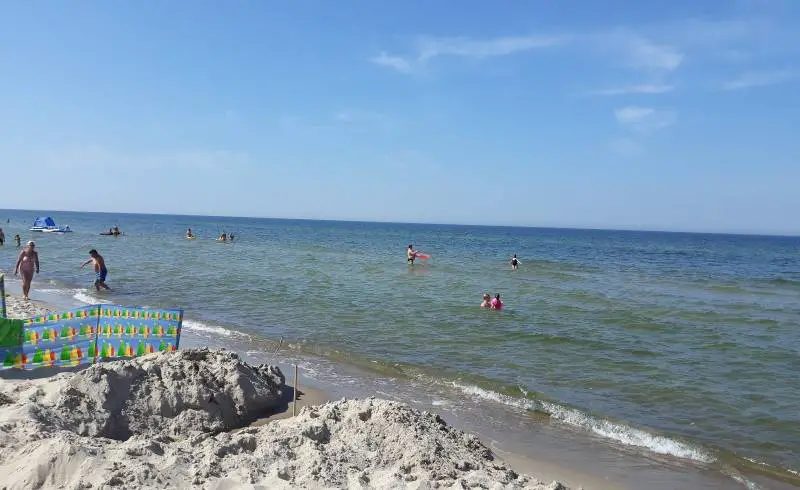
{"x":543,"y":227}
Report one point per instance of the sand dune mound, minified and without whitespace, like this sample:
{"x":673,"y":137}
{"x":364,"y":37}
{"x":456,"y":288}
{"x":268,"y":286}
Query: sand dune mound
{"x":165,"y":420}
{"x":368,"y":443}
{"x":173,"y":392}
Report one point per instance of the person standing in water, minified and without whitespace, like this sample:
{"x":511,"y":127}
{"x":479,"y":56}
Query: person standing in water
{"x":514,"y":262}
{"x":412,"y":254}
{"x":99,"y":268}
{"x":17,"y":239}
{"x":27,"y":261}
{"x":496,"y":304}
{"x":189,"y":233}
{"x":2,"y":237}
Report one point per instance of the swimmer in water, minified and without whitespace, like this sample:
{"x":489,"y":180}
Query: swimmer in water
{"x":189,"y":233}
{"x":223,"y":237}
{"x":27,"y":261}
{"x":17,"y":239}
{"x":412,"y":254}
{"x":486,"y":301}
{"x":514,"y":262}
{"x":496,"y":304}
{"x":99,"y":268}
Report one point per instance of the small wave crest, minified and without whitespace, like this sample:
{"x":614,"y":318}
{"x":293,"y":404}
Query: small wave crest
{"x":618,"y":432}
{"x":202,"y":327}
{"x":783,"y":281}
{"x":89,"y":299}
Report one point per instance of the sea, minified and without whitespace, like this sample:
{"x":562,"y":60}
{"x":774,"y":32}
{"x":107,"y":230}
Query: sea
{"x":643,"y":359}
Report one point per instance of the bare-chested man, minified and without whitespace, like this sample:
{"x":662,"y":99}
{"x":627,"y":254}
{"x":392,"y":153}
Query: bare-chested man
{"x":27,"y":261}
{"x":99,"y":269}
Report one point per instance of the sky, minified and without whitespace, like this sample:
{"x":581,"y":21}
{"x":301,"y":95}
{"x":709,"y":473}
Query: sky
{"x":617,"y":114}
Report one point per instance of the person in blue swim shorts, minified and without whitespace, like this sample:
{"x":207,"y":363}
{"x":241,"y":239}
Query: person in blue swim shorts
{"x":99,"y":268}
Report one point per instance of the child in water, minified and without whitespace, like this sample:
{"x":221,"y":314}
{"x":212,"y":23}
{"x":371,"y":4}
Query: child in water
{"x":486,"y":301}
{"x":496,"y":303}
{"x":514,"y":262}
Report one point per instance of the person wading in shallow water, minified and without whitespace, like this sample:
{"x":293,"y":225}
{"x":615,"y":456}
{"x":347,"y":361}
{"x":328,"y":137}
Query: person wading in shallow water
{"x":412,"y":254}
{"x":99,"y":269}
{"x":26,"y":263}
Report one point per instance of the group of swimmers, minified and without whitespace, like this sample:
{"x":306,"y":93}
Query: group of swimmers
{"x":488,"y":302}
{"x":28,"y":263}
{"x":113,"y":231}
{"x":491,"y":303}
{"x":224,"y":237}
{"x":17,"y":238}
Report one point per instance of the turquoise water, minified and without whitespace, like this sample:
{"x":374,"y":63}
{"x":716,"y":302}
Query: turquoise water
{"x":685,"y":345}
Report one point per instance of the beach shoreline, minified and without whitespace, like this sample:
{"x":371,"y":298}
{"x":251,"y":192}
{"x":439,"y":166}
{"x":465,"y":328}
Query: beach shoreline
{"x":555,"y":454}
{"x":308,"y":398}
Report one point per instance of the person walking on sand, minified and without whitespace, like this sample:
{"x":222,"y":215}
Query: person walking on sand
{"x":27,"y":261}
{"x":514,"y":262}
{"x":99,"y":269}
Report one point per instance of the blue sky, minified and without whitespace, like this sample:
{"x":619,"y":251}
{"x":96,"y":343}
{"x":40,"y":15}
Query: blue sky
{"x":623,"y":114}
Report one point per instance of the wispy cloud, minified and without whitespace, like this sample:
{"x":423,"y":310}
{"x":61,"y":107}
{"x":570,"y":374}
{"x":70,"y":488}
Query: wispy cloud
{"x":395,"y":62}
{"x":648,"y":88}
{"x":761,"y":79}
{"x":644,"y":119}
{"x":430,"y":48}
{"x":644,"y":54}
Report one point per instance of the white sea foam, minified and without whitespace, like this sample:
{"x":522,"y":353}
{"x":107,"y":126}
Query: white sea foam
{"x":202,"y":327}
{"x":84,"y":297}
{"x":744,"y":481}
{"x":620,"y":433}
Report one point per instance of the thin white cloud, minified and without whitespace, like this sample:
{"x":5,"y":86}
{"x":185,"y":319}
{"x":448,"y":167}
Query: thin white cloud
{"x":395,"y":62}
{"x":644,"y":119}
{"x":645,"y":54}
{"x":760,"y":79}
{"x":430,"y":48}
{"x":648,"y":88}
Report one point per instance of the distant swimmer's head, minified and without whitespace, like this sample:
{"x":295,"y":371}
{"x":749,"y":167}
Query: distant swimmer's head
{"x":497,"y":296}
{"x":93,"y":252}
{"x":410,"y":247}
{"x":486,"y":297}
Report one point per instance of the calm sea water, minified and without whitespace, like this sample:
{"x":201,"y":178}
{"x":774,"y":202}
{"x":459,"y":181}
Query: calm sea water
{"x":681,"y":344}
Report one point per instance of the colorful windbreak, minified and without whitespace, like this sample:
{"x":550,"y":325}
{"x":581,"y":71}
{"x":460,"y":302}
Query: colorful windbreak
{"x":91,"y":333}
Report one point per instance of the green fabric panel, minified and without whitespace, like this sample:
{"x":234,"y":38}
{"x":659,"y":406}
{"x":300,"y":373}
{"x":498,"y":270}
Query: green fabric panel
{"x":10,"y":332}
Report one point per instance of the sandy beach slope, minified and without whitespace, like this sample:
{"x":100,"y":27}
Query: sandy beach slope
{"x":195,"y":418}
